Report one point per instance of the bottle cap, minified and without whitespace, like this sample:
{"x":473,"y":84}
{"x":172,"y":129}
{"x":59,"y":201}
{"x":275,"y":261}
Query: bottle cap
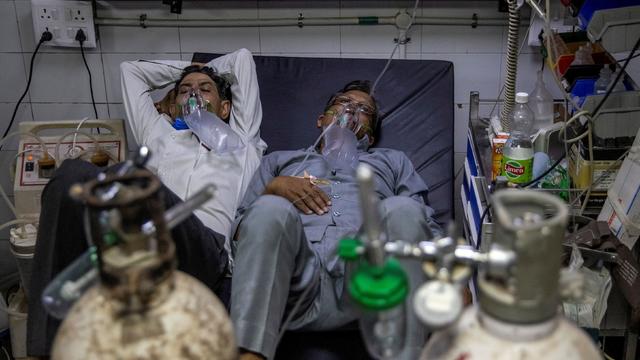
{"x":522,"y":98}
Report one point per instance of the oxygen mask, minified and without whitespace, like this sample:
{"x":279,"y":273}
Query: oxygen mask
{"x":339,"y":136}
{"x":347,"y":118}
{"x":340,"y":140}
{"x":194,"y":102}
{"x":212,"y":132}
{"x":351,"y":112}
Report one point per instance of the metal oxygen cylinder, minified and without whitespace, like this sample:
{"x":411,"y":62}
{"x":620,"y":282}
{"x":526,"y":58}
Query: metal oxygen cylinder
{"x":530,"y":294}
{"x":143,"y":308}
{"x":518,"y":314}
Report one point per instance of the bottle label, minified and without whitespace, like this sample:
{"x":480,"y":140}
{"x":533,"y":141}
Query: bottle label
{"x":517,"y":170}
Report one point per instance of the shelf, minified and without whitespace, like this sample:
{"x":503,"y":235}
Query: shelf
{"x":617,"y":29}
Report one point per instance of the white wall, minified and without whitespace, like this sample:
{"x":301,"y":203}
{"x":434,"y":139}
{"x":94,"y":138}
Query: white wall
{"x":59,"y":88}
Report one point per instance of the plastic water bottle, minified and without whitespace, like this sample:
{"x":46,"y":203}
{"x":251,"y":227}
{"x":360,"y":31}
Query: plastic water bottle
{"x":517,"y":154}
{"x":541,"y":104}
{"x":601,"y":85}
{"x":583,"y":56}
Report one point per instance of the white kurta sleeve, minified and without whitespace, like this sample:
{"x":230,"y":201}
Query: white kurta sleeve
{"x":138,"y":78}
{"x":246,"y":110}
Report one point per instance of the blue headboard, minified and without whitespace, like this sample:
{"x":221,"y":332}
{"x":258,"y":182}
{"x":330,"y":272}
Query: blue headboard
{"x":415,"y":98}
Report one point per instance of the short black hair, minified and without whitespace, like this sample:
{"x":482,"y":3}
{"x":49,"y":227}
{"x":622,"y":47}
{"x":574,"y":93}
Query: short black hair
{"x":365,"y":87}
{"x":222,"y":85}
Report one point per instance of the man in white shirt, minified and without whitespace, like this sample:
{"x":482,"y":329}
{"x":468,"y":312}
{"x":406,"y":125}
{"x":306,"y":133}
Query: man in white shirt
{"x":178,"y":158}
{"x":182,"y":163}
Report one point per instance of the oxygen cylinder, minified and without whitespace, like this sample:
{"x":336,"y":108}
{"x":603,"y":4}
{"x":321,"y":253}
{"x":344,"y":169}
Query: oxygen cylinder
{"x":142,"y":308}
{"x":517,"y":316}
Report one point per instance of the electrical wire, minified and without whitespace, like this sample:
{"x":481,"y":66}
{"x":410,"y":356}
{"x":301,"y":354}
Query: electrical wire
{"x":594,"y":114}
{"x":590,"y":119}
{"x":93,"y":100}
{"x":574,"y":118}
{"x":596,"y":110}
{"x":46,"y":36}
{"x":587,"y":195}
{"x":545,"y":173}
{"x":629,"y":57}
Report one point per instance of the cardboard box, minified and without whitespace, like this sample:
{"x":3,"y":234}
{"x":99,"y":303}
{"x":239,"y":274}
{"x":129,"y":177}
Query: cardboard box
{"x":497,"y":144}
{"x":621,"y":209}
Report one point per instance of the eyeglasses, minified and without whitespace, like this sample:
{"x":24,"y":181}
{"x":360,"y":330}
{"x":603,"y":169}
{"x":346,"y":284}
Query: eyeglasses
{"x":343,"y":100}
{"x":348,"y":121}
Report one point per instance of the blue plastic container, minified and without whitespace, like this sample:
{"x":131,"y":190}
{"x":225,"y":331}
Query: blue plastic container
{"x":591,"y":6}
{"x":583,"y":88}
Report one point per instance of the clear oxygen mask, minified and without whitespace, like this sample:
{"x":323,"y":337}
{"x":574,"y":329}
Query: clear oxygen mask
{"x":340,"y":146}
{"x":339,"y":137}
{"x":214,"y":133}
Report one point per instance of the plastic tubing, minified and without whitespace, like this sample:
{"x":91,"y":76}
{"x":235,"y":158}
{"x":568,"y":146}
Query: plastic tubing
{"x":74,"y":132}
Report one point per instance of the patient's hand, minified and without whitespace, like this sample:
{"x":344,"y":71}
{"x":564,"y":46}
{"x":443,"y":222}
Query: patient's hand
{"x":301,"y":192}
{"x":168,"y":105}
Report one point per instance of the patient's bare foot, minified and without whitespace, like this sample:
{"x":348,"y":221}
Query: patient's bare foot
{"x":250,"y":356}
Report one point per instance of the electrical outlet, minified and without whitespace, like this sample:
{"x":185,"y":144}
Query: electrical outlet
{"x":47,"y":13}
{"x":63,"y":18}
{"x":79,"y":14}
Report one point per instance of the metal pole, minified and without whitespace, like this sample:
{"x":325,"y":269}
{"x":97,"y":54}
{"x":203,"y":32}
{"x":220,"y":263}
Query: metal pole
{"x":145,"y":22}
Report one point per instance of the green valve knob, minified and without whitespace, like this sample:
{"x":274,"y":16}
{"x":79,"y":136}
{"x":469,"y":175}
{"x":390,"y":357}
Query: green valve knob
{"x":379,"y":288}
{"x":349,"y":249}
{"x":110,"y":238}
